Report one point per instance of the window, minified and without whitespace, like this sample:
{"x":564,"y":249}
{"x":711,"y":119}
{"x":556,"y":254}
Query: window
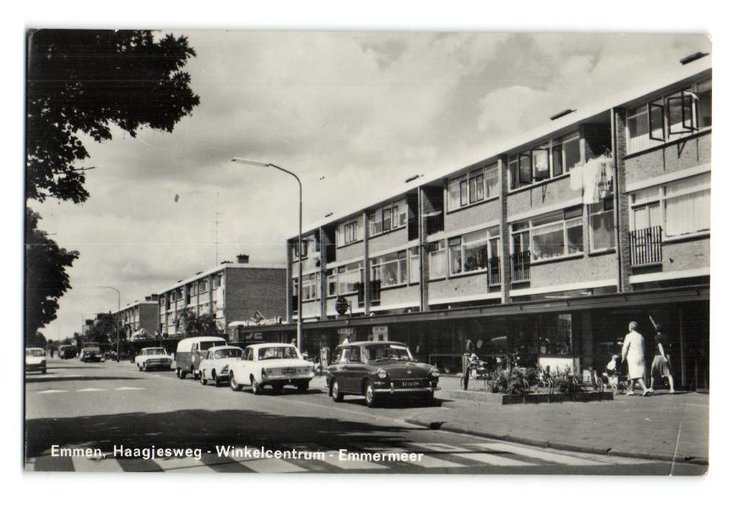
{"x":348,"y":232}
{"x":413,"y":265}
{"x":552,"y":235}
{"x":470,"y":253}
{"x":217,"y":281}
{"x":474,"y":187}
{"x":667,"y":118}
{"x":389,"y":269}
{"x":680,"y":207}
{"x":437,"y":260}
{"x":390,"y":217}
{"x":310,"y":287}
{"x":348,"y":278}
{"x":545,"y":161}
{"x":330,"y":283}
{"x":602,"y":229}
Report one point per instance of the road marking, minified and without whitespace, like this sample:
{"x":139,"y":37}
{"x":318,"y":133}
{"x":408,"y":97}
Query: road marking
{"x":48,"y":391}
{"x":426,"y":460}
{"x":29,"y":465}
{"x":332,"y":459}
{"x":271,"y":466}
{"x":127,"y":388}
{"x":96,"y":465}
{"x":543,"y":455}
{"x":87,"y":390}
{"x":489,"y":459}
{"x":182,"y":465}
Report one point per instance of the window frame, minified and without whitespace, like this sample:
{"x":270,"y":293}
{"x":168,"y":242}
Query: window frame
{"x":462,"y":243}
{"x":378,"y":227}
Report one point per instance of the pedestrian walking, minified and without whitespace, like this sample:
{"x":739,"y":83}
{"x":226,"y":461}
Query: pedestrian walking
{"x":661,"y":362}
{"x":633,"y":354}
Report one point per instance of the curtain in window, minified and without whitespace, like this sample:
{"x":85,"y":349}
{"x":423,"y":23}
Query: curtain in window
{"x":687,"y":206}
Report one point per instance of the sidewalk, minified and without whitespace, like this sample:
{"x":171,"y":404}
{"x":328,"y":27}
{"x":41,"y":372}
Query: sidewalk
{"x":663,"y":426}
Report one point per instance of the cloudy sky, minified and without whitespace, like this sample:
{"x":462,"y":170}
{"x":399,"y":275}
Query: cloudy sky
{"x":352,"y":113}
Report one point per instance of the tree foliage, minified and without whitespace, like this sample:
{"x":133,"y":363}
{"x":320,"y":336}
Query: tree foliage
{"x":80,"y":84}
{"x":193,"y":325}
{"x":46,"y":278}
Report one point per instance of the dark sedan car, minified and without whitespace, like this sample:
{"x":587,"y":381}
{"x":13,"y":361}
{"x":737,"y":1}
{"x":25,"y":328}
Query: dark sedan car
{"x":379,"y":369}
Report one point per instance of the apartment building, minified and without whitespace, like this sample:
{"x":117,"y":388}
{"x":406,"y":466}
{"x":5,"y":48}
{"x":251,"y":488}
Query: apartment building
{"x":549,"y":247}
{"x":227,"y":292}
{"x":139,"y":319}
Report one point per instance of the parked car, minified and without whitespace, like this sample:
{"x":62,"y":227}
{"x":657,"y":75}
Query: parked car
{"x":379,"y":369}
{"x":36,"y":360}
{"x":153,"y":357}
{"x":216,"y":365}
{"x":275,"y":365}
{"x":66,"y":351}
{"x":90,"y":353}
{"x":191,"y":351}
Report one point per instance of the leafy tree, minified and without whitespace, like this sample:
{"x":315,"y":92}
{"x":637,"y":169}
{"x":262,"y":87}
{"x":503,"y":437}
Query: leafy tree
{"x":46,"y":278}
{"x":80,"y":83}
{"x":193,"y":325}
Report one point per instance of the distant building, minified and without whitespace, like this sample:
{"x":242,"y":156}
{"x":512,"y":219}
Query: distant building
{"x":227,"y":292}
{"x":139,"y":320}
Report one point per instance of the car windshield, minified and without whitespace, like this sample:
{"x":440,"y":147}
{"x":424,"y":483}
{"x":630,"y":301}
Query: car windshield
{"x":388,"y":351}
{"x":227,"y":353}
{"x":34,"y":352}
{"x":279,"y":352}
{"x":152,"y":352}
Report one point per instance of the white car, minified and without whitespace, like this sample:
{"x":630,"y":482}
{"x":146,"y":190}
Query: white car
{"x":153,"y":357}
{"x":276,"y":365}
{"x":36,"y":360}
{"x":216,"y":365}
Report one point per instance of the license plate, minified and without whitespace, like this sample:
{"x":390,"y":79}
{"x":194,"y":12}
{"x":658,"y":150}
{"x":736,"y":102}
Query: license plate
{"x":288,"y":371}
{"x":409,"y":384}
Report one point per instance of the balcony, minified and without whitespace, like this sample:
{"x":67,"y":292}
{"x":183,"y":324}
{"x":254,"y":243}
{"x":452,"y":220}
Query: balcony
{"x":646,"y":246}
{"x":520,"y":266}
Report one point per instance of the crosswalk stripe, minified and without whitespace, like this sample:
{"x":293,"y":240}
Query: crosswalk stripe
{"x":182,"y":465}
{"x":87,"y":390}
{"x":489,"y":459}
{"x":82,"y":464}
{"x":332,"y":458}
{"x":543,"y":455}
{"x":47,"y":391}
{"x":271,"y":466}
{"x":426,"y":461}
{"x":126,"y":388}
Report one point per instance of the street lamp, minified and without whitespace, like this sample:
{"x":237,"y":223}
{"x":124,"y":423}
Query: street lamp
{"x":118,"y":316}
{"x":299,"y":243}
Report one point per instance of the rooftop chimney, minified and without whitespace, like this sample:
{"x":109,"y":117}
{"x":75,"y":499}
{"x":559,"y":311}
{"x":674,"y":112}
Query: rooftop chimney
{"x":242,"y":258}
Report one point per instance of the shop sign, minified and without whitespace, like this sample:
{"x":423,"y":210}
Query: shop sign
{"x":380,"y":333}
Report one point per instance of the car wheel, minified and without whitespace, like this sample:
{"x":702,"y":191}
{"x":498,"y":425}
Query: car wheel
{"x":214,"y":377}
{"x":302,"y":387}
{"x":429,"y":398}
{"x":336,"y":395}
{"x":194,"y":374}
{"x":234,"y":384}
{"x":256,"y":388}
{"x":370,"y":399}
{"x":44,"y":370}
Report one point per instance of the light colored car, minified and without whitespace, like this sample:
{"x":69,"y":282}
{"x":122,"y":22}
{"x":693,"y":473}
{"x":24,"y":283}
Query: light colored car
{"x":216,"y":365}
{"x":153,"y":357}
{"x":36,"y":360}
{"x":275,"y":365}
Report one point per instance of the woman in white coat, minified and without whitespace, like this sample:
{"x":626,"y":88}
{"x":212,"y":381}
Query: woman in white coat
{"x":633,"y":354}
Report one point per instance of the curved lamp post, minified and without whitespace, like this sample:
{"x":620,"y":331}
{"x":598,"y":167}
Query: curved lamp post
{"x":299,"y":242}
{"x":118,"y":317}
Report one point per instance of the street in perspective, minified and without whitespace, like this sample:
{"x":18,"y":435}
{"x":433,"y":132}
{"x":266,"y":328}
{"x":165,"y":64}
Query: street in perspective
{"x":417,"y":254}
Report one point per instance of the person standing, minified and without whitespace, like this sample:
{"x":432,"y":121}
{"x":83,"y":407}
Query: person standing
{"x":633,"y":353}
{"x":661,"y":362}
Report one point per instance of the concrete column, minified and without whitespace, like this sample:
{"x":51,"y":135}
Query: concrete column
{"x":366,"y":261}
{"x":423,"y":255}
{"x":289,"y":282}
{"x":621,"y":200}
{"x":323,"y":242}
{"x":504,"y":233}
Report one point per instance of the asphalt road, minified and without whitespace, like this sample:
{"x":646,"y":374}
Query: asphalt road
{"x":108,"y":407}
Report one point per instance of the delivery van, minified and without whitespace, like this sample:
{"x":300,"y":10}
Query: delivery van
{"x":191,"y":351}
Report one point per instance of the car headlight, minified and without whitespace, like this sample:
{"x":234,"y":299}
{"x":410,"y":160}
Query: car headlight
{"x":433,"y":372}
{"x":382,"y":374}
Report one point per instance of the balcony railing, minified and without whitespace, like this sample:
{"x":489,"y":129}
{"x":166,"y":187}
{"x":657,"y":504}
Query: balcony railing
{"x":520,"y":266}
{"x":646,"y":246}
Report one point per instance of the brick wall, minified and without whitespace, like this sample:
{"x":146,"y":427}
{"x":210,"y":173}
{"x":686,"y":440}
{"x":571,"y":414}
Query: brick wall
{"x":686,"y":255}
{"x":680,"y":155}
{"x":468,"y":285}
{"x":473,"y":215}
{"x":581,"y":269}
{"x":250,"y":289}
{"x":554,"y":192}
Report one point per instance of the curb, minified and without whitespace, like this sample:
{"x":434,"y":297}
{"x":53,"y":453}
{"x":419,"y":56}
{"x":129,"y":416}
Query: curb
{"x":695,"y":460}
